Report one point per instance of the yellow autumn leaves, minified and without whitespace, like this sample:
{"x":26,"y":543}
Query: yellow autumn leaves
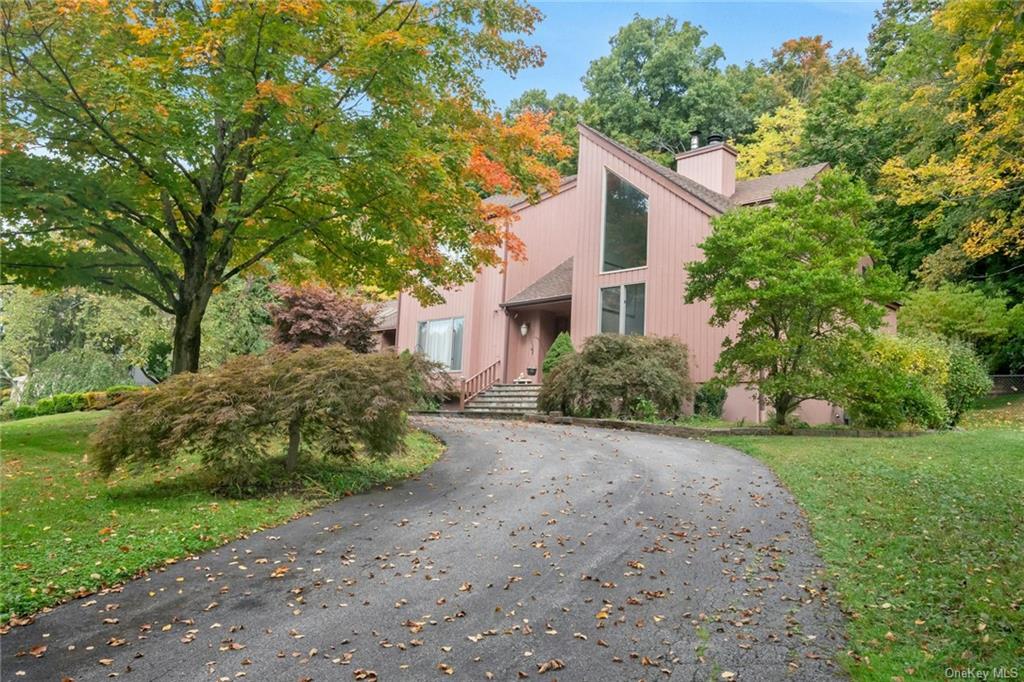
{"x":984,"y":175}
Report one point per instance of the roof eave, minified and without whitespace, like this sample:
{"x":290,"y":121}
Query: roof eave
{"x":536,"y":301}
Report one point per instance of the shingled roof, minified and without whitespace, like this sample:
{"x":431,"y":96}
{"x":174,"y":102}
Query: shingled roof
{"x":748,"y":192}
{"x":387,"y":316}
{"x":513,"y":199}
{"x":555,"y":285}
{"x":760,"y":190}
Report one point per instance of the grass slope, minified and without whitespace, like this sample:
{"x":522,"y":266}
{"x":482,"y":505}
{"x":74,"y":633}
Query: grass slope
{"x":924,"y":540}
{"x":66,"y":531}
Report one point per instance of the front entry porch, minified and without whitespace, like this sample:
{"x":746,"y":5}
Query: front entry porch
{"x":534,"y":317}
{"x":531,"y":331}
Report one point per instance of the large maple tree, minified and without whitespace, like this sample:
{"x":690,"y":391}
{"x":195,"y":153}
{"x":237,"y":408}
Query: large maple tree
{"x":160,"y":149}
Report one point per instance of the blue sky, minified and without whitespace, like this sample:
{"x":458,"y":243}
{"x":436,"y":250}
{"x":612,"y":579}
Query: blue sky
{"x":575,"y":33}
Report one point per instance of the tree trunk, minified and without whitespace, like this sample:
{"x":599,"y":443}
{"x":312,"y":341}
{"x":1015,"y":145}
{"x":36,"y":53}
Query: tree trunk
{"x":783,"y":406}
{"x":187,"y":337}
{"x":294,"y":439}
{"x":188,"y":320}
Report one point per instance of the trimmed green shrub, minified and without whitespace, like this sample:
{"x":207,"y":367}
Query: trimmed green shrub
{"x":24,"y":411}
{"x":560,"y":347}
{"x":967,"y":380}
{"x":45,"y":406}
{"x":246,"y":416}
{"x":709,"y":401}
{"x":68,"y":402}
{"x":74,"y":371}
{"x":617,"y":376}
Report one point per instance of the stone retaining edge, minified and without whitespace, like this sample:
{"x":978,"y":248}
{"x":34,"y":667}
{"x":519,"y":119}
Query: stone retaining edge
{"x":673,"y":429}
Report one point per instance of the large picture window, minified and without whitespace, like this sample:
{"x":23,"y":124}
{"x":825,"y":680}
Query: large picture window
{"x":625,"y":225}
{"x":622,"y":309}
{"x":441,"y":341}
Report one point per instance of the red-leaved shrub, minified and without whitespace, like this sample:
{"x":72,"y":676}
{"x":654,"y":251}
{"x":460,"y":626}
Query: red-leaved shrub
{"x":313,"y":315}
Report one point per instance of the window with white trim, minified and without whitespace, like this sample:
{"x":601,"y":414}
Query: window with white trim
{"x":441,"y":341}
{"x":622,"y":309}
{"x":624,"y":242}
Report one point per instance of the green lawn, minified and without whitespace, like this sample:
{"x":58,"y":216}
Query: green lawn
{"x":923,"y":538}
{"x":66,"y":531}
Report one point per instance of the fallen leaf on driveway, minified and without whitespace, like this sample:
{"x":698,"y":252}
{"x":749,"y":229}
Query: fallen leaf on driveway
{"x":553,"y":664}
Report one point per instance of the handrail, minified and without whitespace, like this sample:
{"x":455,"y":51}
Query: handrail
{"x":479,"y":382}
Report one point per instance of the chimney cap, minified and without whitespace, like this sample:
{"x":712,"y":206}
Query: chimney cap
{"x":716,"y":138}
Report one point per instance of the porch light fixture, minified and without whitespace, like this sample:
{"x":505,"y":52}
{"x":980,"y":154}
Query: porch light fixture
{"x":524,"y":329}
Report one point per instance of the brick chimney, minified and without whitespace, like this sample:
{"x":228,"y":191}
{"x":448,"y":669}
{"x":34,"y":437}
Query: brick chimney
{"x":713,"y":165}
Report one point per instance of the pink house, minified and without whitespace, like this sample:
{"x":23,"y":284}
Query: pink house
{"x":605,"y":254}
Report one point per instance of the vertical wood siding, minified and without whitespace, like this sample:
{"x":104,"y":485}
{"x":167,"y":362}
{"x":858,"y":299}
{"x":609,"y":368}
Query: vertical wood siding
{"x":549,"y":230}
{"x":675,"y":228}
{"x":715,"y":169}
{"x":477,"y":303}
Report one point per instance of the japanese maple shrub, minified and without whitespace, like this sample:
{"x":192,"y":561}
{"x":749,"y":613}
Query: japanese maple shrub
{"x":252,"y":419}
{"x":312,"y":315}
{"x":620,"y":376}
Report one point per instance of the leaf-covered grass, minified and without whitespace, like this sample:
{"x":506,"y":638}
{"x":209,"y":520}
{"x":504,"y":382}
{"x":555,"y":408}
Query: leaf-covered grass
{"x":66,"y":530}
{"x":924,"y":542}
{"x":1004,"y":411}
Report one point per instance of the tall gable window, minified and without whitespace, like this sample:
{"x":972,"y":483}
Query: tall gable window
{"x":441,"y":341}
{"x":624,"y":243}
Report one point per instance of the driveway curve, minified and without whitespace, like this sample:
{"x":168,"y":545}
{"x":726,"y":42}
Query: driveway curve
{"x":545,"y":551}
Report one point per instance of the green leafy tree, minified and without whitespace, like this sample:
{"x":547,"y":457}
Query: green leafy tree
{"x":162,"y":149}
{"x":1009,"y":355}
{"x":34,"y":324}
{"x":958,"y":311}
{"x":893,"y":382}
{"x":659,"y":82}
{"x":833,"y":132}
{"x":129,"y":329}
{"x":75,"y":371}
{"x":332,"y":402}
{"x":238,"y":320}
{"x":895,"y":23}
{"x":790,"y":277}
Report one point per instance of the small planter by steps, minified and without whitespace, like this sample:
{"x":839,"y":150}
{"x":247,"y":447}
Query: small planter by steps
{"x":505,"y":399}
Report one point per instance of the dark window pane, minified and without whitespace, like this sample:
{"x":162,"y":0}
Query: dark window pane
{"x":610,"y":310}
{"x":634,"y":323}
{"x":456,"y":363}
{"x":625,"y":225}
{"x":421,"y":337}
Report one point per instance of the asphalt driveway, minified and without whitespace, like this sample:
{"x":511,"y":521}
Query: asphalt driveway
{"x":549,"y":552}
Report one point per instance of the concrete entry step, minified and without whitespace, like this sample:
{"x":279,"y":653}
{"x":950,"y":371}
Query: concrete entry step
{"x":502,"y":398}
